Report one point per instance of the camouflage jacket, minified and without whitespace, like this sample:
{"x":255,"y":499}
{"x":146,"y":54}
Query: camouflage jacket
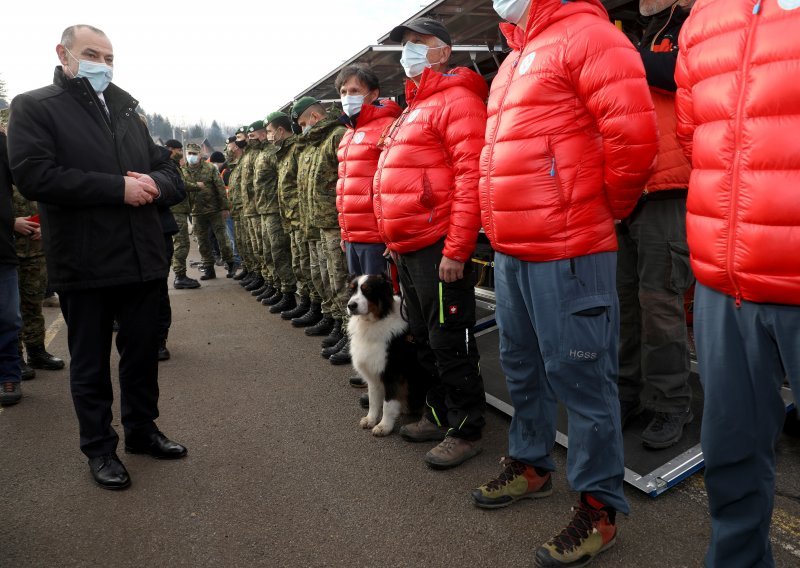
{"x":317,"y":173}
{"x":185,"y":206}
{"x":265,"y":181}
{"x":234,"y":189}
{"x":26,"y":246}
{"x":286,"y":156}
{"x":211,"y":197}
{"x":246,"y":171}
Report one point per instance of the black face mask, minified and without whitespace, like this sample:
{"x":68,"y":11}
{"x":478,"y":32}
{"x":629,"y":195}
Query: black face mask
{"x":241,"y":144}
{"x":252,"y":142}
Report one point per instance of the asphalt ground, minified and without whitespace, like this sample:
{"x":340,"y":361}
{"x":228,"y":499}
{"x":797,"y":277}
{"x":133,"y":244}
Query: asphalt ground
{"x":279,"y":473}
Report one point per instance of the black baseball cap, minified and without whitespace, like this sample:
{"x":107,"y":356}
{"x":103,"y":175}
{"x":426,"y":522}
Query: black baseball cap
{"x":425,"y":26}
{"x":172,"y":143}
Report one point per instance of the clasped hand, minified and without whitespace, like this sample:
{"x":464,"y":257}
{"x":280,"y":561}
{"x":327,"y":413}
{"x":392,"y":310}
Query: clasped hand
{"x":140,"y":189}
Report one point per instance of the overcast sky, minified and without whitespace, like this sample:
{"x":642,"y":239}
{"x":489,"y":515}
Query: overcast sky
{"x":203,"y":60}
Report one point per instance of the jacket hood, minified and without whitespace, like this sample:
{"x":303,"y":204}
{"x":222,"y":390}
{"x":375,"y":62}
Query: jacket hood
{"x":433,"y":82}
{"x":379,"y":109}
{"x":544,"y":13}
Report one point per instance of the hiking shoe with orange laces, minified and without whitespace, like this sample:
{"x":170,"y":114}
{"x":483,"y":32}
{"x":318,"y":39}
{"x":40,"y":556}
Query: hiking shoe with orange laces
{"x":591,"y":531}
{"x":517,"y":481}
{"x":10,"y":393}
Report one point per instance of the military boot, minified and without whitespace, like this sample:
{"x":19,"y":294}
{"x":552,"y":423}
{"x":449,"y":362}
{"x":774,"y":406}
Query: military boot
{"x":261,"y":289}
{"x":322,"y":327}
{"x":327,"y":352}
{"x":342,"y":357}
{"x":273,"y":299}
{"x":311,"y":317}
{"x":257,"y":283}
{"x":334,"y":336}
{"x":163,"y":352}
{"x":247,"y":279}
{"x":208,"y":272}
{"x":267,"y":292}
{"x":38,"y":358}
{"x":288,"y":302}
{"x":231,"y":266}
{"x":242,"y":275}
{"x":26,"y":371}
{"x":298,"y":310}
{"x":183,"y":282}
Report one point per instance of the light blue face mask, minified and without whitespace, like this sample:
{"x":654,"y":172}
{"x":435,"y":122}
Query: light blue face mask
{"x":98,"y":74}
{"x":351,"y":104}
{"x":511,"y":10}
{"x":415,"y":58}
{"x":192,"y":159}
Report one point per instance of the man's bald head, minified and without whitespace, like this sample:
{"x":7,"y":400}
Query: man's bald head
{"x":83,"y":42}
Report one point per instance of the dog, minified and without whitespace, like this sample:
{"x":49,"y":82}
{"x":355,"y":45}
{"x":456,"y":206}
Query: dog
{"x":383,"y":352}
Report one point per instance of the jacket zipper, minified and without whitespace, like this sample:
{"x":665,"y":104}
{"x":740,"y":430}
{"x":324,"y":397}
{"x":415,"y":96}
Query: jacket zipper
{"x":390,"y":133}
{"x":738,"y":154}
{"x":344,"y":177}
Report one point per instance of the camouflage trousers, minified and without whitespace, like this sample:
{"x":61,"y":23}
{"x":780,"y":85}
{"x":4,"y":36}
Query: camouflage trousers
{"x":278,"y":253}
{"x":254,"y":234}
{"x":180,"y":244}
{"x":215,"y":222}
{"x":301,"y":266}
{"x":32,"y":285}
{"x":242,"y":241}
{"x":336,"y":271}
{"x":316,"y":262}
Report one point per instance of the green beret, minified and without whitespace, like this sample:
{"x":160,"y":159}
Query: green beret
{"x":301,"y":105}
{"x":192,"y":147}
{"x":273,"y":115}
{"x":242,"y":130}
{"x":257,"y":125}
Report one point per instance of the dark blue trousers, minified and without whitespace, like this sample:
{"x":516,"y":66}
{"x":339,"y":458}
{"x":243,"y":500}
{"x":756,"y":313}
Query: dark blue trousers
{"x":10,"y":324}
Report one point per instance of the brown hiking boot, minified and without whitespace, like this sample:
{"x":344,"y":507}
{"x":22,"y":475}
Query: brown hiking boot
{"x":423,"y":431}
{"x":451,"y":452}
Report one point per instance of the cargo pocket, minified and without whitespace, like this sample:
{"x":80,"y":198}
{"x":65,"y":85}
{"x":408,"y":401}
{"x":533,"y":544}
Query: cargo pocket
{"x":679,"y":271}
{"x":587,"y":329}
{"x":454,"y":310}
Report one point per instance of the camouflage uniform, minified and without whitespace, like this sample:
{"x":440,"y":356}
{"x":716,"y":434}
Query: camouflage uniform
{"x":276,"y":251}
{"x":288,"y":201}
{"x":239,"y":229}
{"x":316,"y":179}
{"x":180,"y":240}
{"x":208,"y":203}
{"x":248,"y":213}
{"x":32,"y":278}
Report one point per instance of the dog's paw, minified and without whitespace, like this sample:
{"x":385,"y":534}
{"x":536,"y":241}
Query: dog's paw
{"x":367,"y":422}
{"x":382,"y":430}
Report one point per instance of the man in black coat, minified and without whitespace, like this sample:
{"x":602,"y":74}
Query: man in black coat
{"x":79,"y":149}
{"x":10,"y":320}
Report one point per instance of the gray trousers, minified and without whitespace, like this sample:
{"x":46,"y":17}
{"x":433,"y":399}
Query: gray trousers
{"x":744,"y":355}
{"x":653,"y":275}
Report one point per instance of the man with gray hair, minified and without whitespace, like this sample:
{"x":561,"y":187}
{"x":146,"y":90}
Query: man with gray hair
{"x":79,"y":149}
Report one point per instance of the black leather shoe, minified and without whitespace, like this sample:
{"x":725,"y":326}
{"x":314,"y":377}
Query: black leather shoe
{"x":321,"y":328}
{"x":341,"y":357}
{"x":311,"y":317}
{"x":287,"y":302}
{"x":156,"y":445}
{"x":334,"y":336}
{"x":328,"y":352}
{"x":109,"y":473}
{"x":297,"y":311}
{"x":209,"y":273}
{"x":257,"y":283}
{"x":39,"y":358}
{"x":163,"y":352}
{"x":27,"y":371}
{"x":242,"y":275}
{"x":185,"y":283}
{"x":666,"y":429}
{"x":358,"y":383}
{"x":273,"y":298}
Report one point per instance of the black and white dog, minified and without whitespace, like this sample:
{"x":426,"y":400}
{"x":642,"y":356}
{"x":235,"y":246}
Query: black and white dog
{"x":383,"y":352}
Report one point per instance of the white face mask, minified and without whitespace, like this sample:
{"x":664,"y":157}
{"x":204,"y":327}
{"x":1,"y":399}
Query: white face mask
{"x":511,"y":10}
{"x":415,"y":58}
{"x":192,"y":158}
{"x":98,"y":74}
{"x":351,"y":104}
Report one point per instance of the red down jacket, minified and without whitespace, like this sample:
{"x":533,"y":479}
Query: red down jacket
{"x":571,"y":136}
{"x":738,"y":106}
{"x":358,"y":160}
{"x":426,"y":186}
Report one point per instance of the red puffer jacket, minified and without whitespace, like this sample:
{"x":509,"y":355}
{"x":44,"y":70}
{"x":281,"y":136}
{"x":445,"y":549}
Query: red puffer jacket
{"x":358,"y":160}
{"x":738,"y":106}
{"x":571,"y":136}
{"x":426,"y":186}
